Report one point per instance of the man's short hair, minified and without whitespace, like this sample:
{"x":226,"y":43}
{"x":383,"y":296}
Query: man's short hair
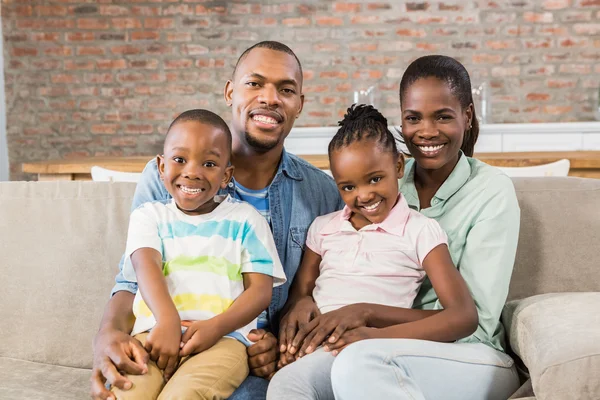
{"x":271,"y":45}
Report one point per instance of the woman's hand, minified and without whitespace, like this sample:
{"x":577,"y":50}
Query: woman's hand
{"x":349,"y":337}
{"x":330,"y":326}
{"x":299,"y":316}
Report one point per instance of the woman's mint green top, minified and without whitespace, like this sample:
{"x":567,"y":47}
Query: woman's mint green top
{"x":477,"y":207}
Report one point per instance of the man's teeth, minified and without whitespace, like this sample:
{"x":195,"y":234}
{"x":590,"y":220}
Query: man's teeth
{"x":430,"y":148}
{"x":372,"y":206}
{"x":264,"y":119}
{"x":186,"y":189}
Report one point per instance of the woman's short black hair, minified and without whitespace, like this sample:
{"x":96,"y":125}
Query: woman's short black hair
{"x":448,"y":70}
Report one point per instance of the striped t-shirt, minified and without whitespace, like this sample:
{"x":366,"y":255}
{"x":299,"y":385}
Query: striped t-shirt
{"x":259,"y":199}
{"x":204,"y":257}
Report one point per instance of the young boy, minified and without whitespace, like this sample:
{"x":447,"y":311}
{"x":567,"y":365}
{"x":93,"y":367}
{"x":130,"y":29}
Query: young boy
{"x":205,"y":265}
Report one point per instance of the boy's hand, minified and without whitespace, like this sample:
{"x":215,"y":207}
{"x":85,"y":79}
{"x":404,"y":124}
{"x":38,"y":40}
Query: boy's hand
{"x":199,"y":336}
{"x":162,"y":343}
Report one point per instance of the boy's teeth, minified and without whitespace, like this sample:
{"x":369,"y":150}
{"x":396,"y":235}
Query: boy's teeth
{"x":372,"y":206}
{"x":265,"y":119}
{"x":190,"y":190}
{"x":431,"y":148}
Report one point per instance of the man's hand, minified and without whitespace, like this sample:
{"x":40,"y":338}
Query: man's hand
{"x":199,"y":336}
{"x":299,"y":315}
{"x":163,"y":343}
{"x":115,"y":353}
{"x":330,"y":326}
{"x":262,"y":355}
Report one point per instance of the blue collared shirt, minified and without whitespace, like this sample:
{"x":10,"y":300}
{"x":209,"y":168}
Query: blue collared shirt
{"x":297,"y":195}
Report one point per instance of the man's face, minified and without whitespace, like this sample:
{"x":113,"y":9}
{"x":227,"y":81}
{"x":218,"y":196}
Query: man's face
{"x":266,"y":98}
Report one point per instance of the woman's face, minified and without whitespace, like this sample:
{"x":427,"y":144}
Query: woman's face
{"x":433,"y":124}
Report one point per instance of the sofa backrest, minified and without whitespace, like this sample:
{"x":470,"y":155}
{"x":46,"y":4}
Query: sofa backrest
{"x":60,"y":245}
{"x":559,"y":241}
{"x":61,"y":242}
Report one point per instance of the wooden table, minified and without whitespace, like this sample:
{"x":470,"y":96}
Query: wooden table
{"x":583,"y":163}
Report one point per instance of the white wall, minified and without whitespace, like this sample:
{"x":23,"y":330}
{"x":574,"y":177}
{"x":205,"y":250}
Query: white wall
{"x":3,"y":145}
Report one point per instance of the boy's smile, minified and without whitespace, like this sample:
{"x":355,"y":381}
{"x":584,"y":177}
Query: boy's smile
{"x":195,"y":165}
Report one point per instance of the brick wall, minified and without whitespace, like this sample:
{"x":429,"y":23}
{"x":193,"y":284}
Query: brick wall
{"x":105,"y":77}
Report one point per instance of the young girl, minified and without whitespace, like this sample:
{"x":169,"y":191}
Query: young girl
{"x":477,"y":207}
{"x":376,"y":250}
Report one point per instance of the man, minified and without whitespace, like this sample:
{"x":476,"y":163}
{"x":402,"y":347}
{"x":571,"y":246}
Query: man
{"x":265,"y":94}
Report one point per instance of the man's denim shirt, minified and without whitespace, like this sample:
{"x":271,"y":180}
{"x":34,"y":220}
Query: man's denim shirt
{"x":298,"y":194}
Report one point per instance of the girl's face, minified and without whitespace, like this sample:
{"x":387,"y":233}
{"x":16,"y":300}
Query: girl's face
{"x":433,"y":123}
{"x":367,"y":178}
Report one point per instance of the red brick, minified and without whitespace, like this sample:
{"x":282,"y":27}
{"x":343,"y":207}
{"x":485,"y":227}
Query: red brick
{"x":152,"y":116}
{"x":58,"y":51}
{"x":180,"y":9}
{"x":112,"y":10}
{"x":545,"y":17}
{"x":179,"y":37}
{"x":46,"y":64}
{"x":315,"y":88}
{"x":545,"y":70}
{"x":90,"y":51}
{"x":145,"y":64}
{"x":552,"y":30}
{"x":158,"y":49}
{"x":520,"y":30}
{"x":131,"y":77}
{"x":590,"y":3}
{"x":79,"y":36}
{"x":561,"y":83}
{"x":252,"y":22}
{"x":54,"y":91}
{"x":417,"y":6}
{"x":320,"y":114}
{"x":85,"y":116}
{"x":37,"y":131}
{"x":363,"y":46}
{"x":296,"y":21}
{"x":98,"y":78}
{"x":145,"y":35}
{"x":576,"y":16}
{"x":52,"y":117}
{"x":411,"y":32}
{"x":111,"y":64}
{"x":126,"y":50}
{"x":327,"y":47}
{"x":538,"y":97}
{"x":84,"y":91}
{"x":343,"y":87}
{"x":139,"y":128}
{"x":381,"y":60}
{"x":506,"y":71}
{"x":214,"y":63}
{"x":114,"y":92}
{"x":178,"y":64}
{"x":145,"y":11}
{"x":450,"y":7}
{"x":50,"y":10}
{"x":45,"y":37}
{"x":64,"y":78}
{"x":556,"y":4}
{"x":365,"y":19}
{"x":367,"y":74}
{"x":501,"y":44}
{"x":193,"y":49}
{"x":587,"y":29}
{"x":63,"y":104}
{"x":429,"y":46}
{"x":575,"y":69}
{"x":432,"y":20}
{"x":78,"y":65}
{"x":126,"y":23}
{"x":333,"y":74}
{"x":45,"y":23}
{"x":557,"y":110}
{"x":573,"y":42}
{"x":449,"y":32}
{"x":346,"y":7}
{"x":486,"y":59}
{"x":159,"y":23}
{"x":92,"y":23}
{"x":24,"y":51}
{"x":118,"y":116}
{"x":500,"y":17}
{"x":104,"y":129}
{"x":127,"y":141}
{"x":537,"y":44}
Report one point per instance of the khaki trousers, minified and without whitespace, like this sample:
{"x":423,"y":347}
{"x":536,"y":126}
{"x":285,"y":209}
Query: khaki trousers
{"x":213,"y":374}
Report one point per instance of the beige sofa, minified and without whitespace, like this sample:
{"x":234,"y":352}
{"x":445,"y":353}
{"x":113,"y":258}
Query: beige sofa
{"x":60,"y":243}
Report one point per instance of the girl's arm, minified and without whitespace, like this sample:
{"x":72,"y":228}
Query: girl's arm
{"x":456,"y":320}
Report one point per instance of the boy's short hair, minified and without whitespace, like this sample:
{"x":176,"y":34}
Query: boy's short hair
{"x":204,"y":117}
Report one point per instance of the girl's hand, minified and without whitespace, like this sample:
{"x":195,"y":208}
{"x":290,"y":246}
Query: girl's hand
{"x":330,"y":326}
{"x":349,"y":337}
{"x":299,"y":315}
{"x":199,"y":336}
{"x":162,"y":343}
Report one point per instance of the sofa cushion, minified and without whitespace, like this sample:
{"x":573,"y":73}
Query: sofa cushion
{"x":60,"y":254}
{"x":559,"y":236}
{"x":35,"y":381}
{"x":557,"y":336}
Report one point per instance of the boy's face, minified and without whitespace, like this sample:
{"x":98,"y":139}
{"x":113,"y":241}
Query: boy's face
{"x":266,"y":98}
{"x":367,"y":179}
{"x":194,"y":165}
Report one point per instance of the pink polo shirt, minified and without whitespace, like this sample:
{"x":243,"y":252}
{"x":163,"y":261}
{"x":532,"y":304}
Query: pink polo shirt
{"x":380,"y":263}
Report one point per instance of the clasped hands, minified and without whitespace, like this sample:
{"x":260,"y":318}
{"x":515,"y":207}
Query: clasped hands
{"x":303,"y":329}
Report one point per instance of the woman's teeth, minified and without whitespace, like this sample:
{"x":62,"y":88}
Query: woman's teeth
{"x":188,"y":190}
{"x":430,"y":149}
{"x":264,"y":119}
{"x":372,"y":206}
